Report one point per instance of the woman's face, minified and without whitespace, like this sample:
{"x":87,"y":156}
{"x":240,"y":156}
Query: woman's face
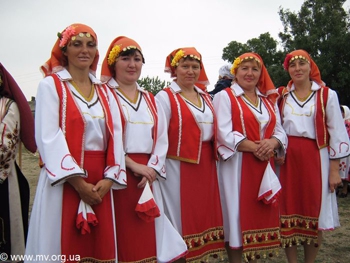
{"x":248,"y":74}
{"x":299,"y":70}
{"x":128,"y":68}
{"x":81,"y":52}
{"x":187,"y":72}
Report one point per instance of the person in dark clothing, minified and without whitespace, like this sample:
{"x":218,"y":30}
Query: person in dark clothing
{"x":225,"y":80}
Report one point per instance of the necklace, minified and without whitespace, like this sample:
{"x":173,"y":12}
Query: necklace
{"x":136,"y":95}
{"x":302,"y":99}
{"x":92,"y":91}
{"x":255,"y":104}
{"x":192,"y":100}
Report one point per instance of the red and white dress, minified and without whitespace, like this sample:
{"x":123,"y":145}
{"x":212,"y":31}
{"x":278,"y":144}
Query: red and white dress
{"x":316,"y":134}
{"x":191,"y":192}
{"x":241,"y":173}
{"x":75,"y":137}
{"x":146,"y":142}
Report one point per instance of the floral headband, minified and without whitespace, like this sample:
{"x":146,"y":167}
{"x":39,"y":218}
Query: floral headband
{"x":69,"y":34}
{"x":239,"y":60}
{"x":113,"y":55}
{"x":179,"y":55}
{"x":290,"y":58}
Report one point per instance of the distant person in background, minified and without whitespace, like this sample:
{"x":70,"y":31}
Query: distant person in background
{"x":345,"y":162}
{"x":225,"y":80}
{"x":317,"y":140}
{"x":17,"y":126}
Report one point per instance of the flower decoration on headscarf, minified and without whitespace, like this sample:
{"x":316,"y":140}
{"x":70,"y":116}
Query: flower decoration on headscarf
{"x":239,"y":60}
{"x":235,"y":65}
{"x":290,"y":58}
{"x":65,"y":36}
{"x":113,"y":55}
{"x":179,"y":55}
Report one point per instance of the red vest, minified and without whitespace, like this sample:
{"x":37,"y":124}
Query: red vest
{"x":73,"y":125}
{"x":185,"y":136}
{"x":241,"y":112}
{"x":322,"y":135}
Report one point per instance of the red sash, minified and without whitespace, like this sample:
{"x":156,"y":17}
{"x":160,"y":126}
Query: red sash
{"x":259,"y":237}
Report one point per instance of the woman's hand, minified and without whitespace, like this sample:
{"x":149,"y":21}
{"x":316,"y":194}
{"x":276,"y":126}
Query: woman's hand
{"x":85,"y":190}
{"x":141,"y":170}
{"x":266,"y":147}
{"x":279,"y":160}
{"x":102,"y":187}
{"x":334,"y":177}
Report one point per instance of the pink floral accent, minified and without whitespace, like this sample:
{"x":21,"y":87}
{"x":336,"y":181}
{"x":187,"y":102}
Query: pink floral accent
{"x":286,"y":61}
{"x":66,"y":36}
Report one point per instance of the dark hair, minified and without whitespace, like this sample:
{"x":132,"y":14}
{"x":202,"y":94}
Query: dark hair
{"x":192,"y":59}
{"x":130,"y":52}
{"x":342,"y":109}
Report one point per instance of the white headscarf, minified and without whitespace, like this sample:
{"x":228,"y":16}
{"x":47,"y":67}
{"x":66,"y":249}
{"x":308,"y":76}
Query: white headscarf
{"x":224,"y":71}
{"x":346,"y":112}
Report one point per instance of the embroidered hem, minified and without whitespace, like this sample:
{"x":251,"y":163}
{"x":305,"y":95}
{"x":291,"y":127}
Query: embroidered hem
{"x":261,"y":243}
{"x":209,"y":236}
{"x":298,"y":229}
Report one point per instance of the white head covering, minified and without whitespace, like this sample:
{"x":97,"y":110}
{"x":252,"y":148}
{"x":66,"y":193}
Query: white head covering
{"x":346,"y":112}
{"x":224,"y":71}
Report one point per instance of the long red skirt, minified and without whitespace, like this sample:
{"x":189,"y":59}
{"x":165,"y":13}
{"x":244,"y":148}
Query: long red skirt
{"x":99,"y":244}
{"x":136,"y":238}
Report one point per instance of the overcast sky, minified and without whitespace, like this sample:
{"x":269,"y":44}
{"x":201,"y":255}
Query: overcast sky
{"x":29,"y":29}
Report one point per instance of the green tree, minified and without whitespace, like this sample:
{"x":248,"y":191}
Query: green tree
{"x":266,"y":47}
{"x":153,"y":85}
{"x":321,"y":27}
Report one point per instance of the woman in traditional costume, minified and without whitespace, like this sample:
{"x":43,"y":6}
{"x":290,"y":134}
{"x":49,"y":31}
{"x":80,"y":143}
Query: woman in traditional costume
{"x":318,"y":139}
{"x":344,"y":162}
{"x":17,"y":126}
{"x":249,"y":135}
{"x":191,"y":192}
{"x":144,"y":233}
{"x":79,"y":141}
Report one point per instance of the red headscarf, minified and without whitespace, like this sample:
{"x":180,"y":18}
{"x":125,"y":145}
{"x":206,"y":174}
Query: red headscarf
{"x":315,"y":74}
{"x":123,"y":43}
{"x":187,"y":51}
{"x":265,"y":84}
{"x":11,"y":90}
{"x":58,"y":61}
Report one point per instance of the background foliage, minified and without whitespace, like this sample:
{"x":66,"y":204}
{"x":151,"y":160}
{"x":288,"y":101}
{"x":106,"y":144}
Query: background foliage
{"x":321,"y":27}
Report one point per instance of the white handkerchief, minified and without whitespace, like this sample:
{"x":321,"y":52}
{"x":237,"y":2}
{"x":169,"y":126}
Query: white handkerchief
{"x":146,"y":207}
{"x":270,"y":186}
{"x":86,"y":217}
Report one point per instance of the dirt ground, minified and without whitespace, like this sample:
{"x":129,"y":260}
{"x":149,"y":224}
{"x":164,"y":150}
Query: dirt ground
{"x":335,"y":247}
